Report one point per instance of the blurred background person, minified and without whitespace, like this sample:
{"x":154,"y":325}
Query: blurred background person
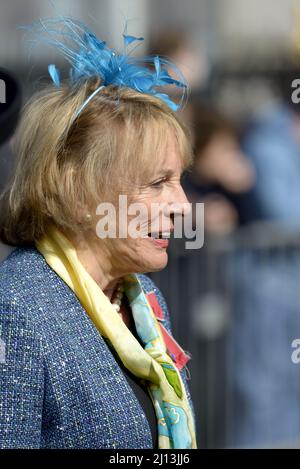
{"x":9,"y":114}
{"x":220,"y":173}
{"x":179,"y":45}
{"x":272,"y":141}
{"x":265,"y":279}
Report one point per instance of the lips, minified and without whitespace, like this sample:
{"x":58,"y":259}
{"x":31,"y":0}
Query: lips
{"x":159,"y":235}
{"x":160,"y":238}
{"x":162,"y":243}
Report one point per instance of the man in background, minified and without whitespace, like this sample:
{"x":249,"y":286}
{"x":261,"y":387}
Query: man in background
{"x":10,"y":104}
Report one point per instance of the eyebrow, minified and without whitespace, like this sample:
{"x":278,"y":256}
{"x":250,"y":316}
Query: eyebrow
{"x":166,"y":172}
{"x":169,"y":172}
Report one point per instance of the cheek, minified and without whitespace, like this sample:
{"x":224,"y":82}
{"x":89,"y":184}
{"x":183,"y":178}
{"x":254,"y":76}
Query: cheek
{"x":138,"y":255}
{"x":143,"y":251}
{"x":152,"y":199}
{"x":149,"y":255}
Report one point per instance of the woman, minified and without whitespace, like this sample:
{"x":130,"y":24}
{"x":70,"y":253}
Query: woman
{"x":85,"y":333}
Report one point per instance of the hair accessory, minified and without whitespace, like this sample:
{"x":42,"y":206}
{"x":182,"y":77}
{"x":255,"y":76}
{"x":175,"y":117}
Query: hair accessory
{"x":90,"y":56}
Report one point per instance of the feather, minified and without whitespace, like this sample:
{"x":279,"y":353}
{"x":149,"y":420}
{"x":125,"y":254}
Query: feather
{"x":90,"y":56}
{"x":129,"y":39}
{"x":54,"y":74}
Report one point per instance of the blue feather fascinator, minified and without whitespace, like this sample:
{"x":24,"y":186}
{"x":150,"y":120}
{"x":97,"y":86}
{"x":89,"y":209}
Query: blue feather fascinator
{"x":90,"y":57}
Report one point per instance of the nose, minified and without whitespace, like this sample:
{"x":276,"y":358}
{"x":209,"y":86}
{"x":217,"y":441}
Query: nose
{"x":179,"y":205}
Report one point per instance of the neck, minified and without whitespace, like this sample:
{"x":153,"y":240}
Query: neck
{"x":97,"y":263}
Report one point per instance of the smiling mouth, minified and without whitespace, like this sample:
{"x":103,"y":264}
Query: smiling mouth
{"x":158,"y":235}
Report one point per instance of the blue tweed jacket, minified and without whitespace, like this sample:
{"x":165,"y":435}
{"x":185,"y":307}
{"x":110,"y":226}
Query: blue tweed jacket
{"x":60,"y":385}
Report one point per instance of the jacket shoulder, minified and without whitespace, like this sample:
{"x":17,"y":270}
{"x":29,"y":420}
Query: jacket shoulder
{"x":25,"y":276}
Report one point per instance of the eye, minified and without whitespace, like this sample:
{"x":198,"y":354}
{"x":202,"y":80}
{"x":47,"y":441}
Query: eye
{"x":158,"y":183}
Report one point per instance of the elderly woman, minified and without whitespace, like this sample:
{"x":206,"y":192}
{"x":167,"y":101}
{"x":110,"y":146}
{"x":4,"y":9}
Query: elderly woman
{"x":88,"y":358}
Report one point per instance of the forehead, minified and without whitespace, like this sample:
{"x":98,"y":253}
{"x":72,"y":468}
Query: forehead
{"x":163,"y":146}
{"x":170,"y":156}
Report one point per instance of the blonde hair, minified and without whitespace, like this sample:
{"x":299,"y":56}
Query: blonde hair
{"x":67,"y":165}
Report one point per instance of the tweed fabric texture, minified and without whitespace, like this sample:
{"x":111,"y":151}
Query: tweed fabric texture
{"x":60,"y":385}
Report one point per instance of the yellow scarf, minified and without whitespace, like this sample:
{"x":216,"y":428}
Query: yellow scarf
{"x":175,"y":419}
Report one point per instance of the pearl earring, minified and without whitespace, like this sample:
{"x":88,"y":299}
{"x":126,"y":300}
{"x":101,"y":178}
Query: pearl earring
{"x":88,"y":217}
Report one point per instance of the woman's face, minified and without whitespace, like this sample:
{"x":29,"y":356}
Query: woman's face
{"x":141,"y":251}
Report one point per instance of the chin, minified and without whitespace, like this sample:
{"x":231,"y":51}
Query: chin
{"x":150,"y":258}
{"x":156,"y":263}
